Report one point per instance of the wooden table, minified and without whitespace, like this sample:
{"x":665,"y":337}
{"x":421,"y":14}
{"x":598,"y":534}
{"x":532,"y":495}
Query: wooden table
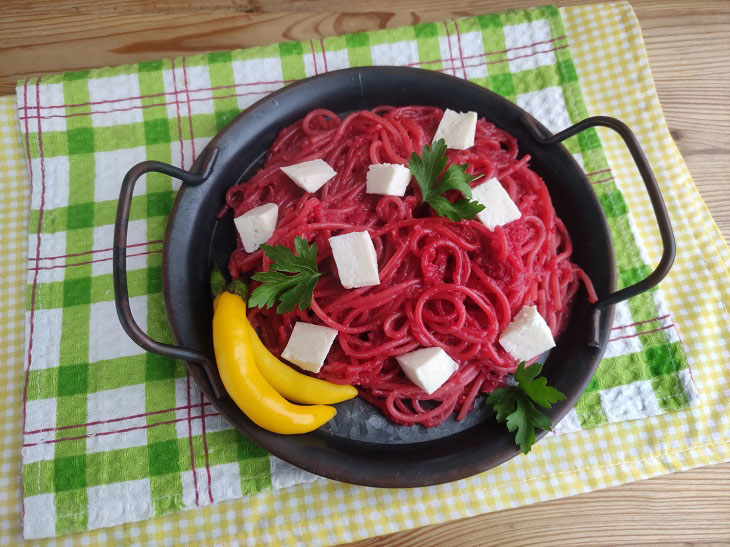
{"x":689,"y":49}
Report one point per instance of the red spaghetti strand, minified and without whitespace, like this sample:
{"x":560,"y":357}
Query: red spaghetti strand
{"x":442,"y":284}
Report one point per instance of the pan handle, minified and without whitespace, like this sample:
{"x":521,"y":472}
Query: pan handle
{"x":119,"y":261}
{"x":657,"y":203}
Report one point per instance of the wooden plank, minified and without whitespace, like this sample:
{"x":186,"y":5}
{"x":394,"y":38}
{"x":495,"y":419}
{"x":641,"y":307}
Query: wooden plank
{"x":688,"y":43}
{"x":683,"y":508}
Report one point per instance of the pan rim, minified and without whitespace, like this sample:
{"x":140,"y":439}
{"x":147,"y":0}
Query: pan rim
{"x":401,"y":477}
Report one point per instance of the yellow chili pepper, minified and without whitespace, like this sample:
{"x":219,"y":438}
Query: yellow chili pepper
{"x":243,"y":381}
{"x":294,"y":385}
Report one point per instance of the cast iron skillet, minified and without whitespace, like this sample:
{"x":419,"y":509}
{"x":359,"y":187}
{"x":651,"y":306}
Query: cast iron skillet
{"x":359,"y":446}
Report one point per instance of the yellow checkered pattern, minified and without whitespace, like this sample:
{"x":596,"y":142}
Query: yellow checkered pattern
{"x":14,"y":207}
{"x":614,"y":72}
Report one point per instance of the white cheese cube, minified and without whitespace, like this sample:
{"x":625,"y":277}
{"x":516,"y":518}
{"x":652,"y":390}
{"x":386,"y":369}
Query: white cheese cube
{"x":357,"y":263}
{"x":499,"y":209}
{"x":310,"y":175}
{"x":527,"y":336}
{"x":388,"y":179}
{"x":308,"y":345}
{"x":457,"y":129}
{"x":428,"y":368}
{"x":257,"y":225}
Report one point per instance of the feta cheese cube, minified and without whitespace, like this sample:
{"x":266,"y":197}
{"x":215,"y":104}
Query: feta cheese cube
{"x":388,"y":179}
{"x":308,"y":345}
{"x":310,"y":175}
{"x":257,"y":225}
{"x":499,"y":209}
{"x":457,"y":129}
{"x":428,"y":368}
{"x":527,"y":336}
{"x":357,"y":263}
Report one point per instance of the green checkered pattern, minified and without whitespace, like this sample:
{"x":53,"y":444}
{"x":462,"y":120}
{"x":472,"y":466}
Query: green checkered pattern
{"x":113,"y":434}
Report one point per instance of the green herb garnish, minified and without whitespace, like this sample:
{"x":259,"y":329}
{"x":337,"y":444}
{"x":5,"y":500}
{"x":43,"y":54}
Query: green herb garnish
{"x":291,"y":291}
{"x":427,"y":167}
{"x":516,"y":404}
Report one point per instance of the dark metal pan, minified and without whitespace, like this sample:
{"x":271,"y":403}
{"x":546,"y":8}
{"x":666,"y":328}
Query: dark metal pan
{"x":359,"y":446}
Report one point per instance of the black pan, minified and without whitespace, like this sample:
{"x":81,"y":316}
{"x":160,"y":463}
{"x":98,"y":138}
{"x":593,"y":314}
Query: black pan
{"x":359,"y":446}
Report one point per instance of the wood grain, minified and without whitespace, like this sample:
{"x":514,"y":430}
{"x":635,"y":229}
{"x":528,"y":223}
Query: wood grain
{"x":689,"y":50}
{"x":688,"y":508}
{"x":688,"y":44}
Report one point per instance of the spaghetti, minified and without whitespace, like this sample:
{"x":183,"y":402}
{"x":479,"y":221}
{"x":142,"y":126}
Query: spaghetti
{"x":446,"y":284}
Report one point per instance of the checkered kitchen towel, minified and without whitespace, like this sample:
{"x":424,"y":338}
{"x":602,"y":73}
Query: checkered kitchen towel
{"x":113,"y":434}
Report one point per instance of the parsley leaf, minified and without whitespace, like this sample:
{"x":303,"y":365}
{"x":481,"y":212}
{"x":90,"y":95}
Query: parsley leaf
{"x":503,"y":401}
{"x":515,"y":405}
{"x":523,"y":422}
{"x":427,"y":167}
{"x":291,"y":291}
{"x":536,"y":388}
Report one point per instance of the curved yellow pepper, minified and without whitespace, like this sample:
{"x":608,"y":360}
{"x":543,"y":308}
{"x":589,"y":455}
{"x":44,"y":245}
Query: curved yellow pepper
{"x":246,"y":385}
{"x":294,"y":385}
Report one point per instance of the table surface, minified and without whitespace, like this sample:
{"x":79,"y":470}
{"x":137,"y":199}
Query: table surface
{"x":688,"y":42}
